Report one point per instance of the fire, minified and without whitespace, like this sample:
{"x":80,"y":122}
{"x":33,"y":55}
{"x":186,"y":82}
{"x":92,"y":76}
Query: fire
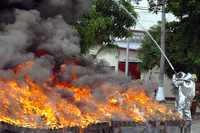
{"x":29,"y":104}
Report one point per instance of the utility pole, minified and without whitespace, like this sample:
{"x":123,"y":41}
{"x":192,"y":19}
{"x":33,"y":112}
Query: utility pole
{"x":127,"y":57}
{"x":127,"y":54}
{"x":160,"y":93}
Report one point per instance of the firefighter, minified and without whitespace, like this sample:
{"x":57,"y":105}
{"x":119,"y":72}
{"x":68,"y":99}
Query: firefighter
{"x":185,"y":92}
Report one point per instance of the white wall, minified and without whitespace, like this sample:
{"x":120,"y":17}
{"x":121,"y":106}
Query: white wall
{"x":109,"y":55}
{"x":133,"y":55}
{"x":113,"y":56}
{"x":148,"y":80}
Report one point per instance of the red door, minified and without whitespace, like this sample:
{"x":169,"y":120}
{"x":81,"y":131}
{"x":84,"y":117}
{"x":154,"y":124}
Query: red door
{"x":133,"y":71}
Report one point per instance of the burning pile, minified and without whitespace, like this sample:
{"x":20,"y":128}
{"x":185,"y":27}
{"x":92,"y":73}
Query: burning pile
{"x":44,"y":83}
{"x":56,"y":104}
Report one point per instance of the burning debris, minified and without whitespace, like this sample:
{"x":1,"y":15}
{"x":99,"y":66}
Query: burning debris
{"x":56,"y":104}
{"x":44,"y":83}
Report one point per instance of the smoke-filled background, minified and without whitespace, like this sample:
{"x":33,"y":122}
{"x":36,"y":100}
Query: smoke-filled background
{"x":37,"y":31}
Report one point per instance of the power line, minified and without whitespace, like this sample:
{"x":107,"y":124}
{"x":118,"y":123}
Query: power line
{"x":145,"y":8}
{"x":137,"y":8}
{"x":141,"y":9}
{"x":149,"y":21}
{"x":143,"y":12}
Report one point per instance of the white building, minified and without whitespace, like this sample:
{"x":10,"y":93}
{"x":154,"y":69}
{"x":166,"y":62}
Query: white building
{"x":116,"y":58}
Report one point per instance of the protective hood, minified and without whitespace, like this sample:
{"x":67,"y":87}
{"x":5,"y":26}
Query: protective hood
{"x":188,"y":76}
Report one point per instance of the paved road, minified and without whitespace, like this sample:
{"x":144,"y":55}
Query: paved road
{"x":196,"y":126}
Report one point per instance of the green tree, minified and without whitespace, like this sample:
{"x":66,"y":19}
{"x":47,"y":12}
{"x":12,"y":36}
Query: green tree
{"x":187,"y":33}
{"x":104,"y":22}
{"x":184,"y":56}
{"x":149,"y":53}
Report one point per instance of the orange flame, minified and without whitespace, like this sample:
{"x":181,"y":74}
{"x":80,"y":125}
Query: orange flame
{"x":26,"y":103}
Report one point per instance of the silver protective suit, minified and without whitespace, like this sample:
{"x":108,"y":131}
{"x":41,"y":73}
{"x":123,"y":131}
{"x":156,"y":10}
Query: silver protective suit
{"x":185,"y":92}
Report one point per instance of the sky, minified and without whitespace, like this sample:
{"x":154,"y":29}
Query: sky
{"x":148,"y":19}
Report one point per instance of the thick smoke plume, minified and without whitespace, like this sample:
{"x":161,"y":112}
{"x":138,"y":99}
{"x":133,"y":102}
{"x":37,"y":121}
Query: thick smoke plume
{"x":30,"y":33}
{"x":40,"y":39}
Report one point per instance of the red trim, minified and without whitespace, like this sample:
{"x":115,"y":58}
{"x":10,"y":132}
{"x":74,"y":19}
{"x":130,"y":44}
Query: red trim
{"x":170,"y":98}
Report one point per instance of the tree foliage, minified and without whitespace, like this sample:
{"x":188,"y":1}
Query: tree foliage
{"x":184,"y":8}
{"x":104,"y":22}
{"x":149,"y":53}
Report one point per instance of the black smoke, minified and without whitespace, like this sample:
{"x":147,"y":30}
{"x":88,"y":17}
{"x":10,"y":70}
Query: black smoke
{"x":69,"y":9}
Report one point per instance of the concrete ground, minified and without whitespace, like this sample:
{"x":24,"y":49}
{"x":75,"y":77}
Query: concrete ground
{"x":196,"y":126}
{"x":196,"y":118}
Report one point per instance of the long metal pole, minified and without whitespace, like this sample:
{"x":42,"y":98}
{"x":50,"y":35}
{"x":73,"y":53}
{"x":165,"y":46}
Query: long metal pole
{"x":127,"y":57}
{"x":162,"y":52}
